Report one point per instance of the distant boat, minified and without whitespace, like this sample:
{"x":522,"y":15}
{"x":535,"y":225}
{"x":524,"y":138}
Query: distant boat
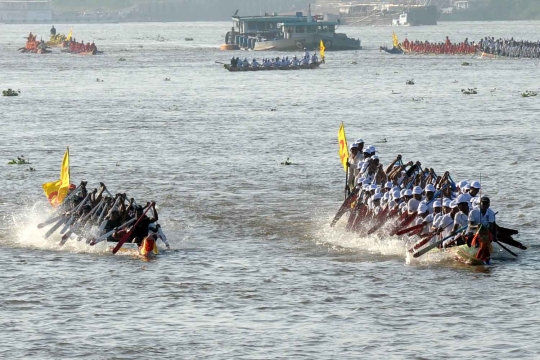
{"x":286,"y":33}
{"x":188,"y":39}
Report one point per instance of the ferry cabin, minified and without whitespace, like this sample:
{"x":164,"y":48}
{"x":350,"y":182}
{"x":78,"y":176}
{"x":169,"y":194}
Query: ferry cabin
{"x":300,"y":30}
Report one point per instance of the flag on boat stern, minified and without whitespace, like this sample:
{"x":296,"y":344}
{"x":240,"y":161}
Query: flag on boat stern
{"x":69,"y":35}
{"x":56,"y":191}
{"x":321,"y":49}
{"x":343,"y":148}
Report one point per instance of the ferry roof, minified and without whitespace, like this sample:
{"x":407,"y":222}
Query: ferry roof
{"x":315,"y":23}
{"x":283,"y":18}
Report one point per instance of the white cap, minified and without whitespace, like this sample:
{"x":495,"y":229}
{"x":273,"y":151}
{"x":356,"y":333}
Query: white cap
{"x":417,"y":190}
{"x":462,"y":184}
{"x":373,"y":187}
{"x":359,"y":181}
{"x":377,"y":196}
{"x":396,"y":195}
{"x":355,"y":145}
{"x":476,"y":185}
{"x":408,"y":193}
{"x":359,"y":141}
{"x":466,"y":187}
{"x":378,"y":190}
{"x":386,"y":196}
{"x":388,"y":185}
{"x":436,"y":203}
{"x":453,"y":204}
{"x":396,"y":188}
{"x":371,"y":149}
{"x":422,"y":208}
{"x":430,"y":187}
{"x":447,"y":203}
{"x":461,"y":199}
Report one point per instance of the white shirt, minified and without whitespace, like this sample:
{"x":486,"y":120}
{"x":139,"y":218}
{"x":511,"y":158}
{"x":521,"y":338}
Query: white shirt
{"x":461,"y":219}
{"x":445,"y":224}
{"x":476,"y":218}
{"x":412,"y":205}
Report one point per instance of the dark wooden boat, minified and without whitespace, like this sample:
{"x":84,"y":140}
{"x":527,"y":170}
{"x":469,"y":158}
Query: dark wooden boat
{"x":393,"y":50}
{"x":262,"y":68}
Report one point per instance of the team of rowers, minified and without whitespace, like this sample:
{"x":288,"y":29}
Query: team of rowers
{"x":77,"y":48}
{"x":446,"y":47}
{"x":276,"y":62}
{"x":114,"y":216}
{"x":33,"y":45}
{"x":499,"y":47}
{"x":510,"y":47}
{"x":406,"y":199}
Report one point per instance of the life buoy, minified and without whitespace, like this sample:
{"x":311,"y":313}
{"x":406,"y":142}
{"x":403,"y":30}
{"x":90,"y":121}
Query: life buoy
{"x":300,"y":45}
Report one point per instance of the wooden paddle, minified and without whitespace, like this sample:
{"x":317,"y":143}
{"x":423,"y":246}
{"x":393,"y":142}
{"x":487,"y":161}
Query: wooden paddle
{"x":412,"y":228}
{"x":436,"y":244}
{"x":128,"y":234}
{"x":346,"y":206}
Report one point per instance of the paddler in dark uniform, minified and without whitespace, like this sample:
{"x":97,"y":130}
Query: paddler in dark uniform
{"x":53,"y":31}
{"x":141,"y":230}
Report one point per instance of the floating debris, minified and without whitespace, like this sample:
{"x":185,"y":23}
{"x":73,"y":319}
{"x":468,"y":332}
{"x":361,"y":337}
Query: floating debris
{"x":122,"y":59}
{"x":189,"y":39}
{"x":410,"y":82}
{"x":466,"y":64}
{"x":99,"y":80}
{"x":10,"y":92}
{"x":167,"y":79}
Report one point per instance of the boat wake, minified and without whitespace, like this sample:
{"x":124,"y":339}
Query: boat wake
{"x":21,"y":231}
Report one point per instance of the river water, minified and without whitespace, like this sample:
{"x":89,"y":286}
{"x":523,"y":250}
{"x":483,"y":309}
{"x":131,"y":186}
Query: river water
{"x":255,"y":270}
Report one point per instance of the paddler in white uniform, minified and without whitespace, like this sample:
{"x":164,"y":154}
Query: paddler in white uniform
{"x":412,"y":205}
{"x":430,"y":192}
{"x":354,"y":158}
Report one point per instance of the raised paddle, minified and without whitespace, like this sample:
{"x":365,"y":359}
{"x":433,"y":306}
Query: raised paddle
{"x":49,"y":221}
{"x":55,"y":212}
{"x":128,"y":234}
{"x":436,"y":244}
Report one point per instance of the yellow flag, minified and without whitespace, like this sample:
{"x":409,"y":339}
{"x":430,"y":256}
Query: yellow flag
{"x":395,"y":39}
{"x":69,"y":35}
{"x":321,"y":49}
{"x":343,"y":148}
{"x":56,"y":191}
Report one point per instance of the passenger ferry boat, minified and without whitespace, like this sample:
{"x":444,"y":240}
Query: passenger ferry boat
{"x":283,"y":33}
{"x":13,"y":11}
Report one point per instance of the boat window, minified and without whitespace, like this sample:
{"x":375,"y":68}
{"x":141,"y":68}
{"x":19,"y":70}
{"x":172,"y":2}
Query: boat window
{"x":323,"y":29}
{"x":290,"y":29}
{"x":312,"y":29}
{"x":252,"y":26}
{"x":332,"y":28}
{"x":300,"y":29}
{"x":260,"y":26}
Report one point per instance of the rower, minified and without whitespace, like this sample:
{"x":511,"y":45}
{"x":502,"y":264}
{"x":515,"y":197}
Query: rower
{"x":482,"y":216}
{"x":254,"y":63}
{"x":430,"y":192}
{"x":114,"y":221}
{"x":424,"y":218}
{"x":412,"y":205}
{"x":353,"y":160}
{"x":141,"y":230}
{"x":53,"y":31}
{"x":314,"y":59}
{"x":460,"y":220}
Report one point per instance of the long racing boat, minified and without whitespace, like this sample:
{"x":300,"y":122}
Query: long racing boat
{"x":264,"y":68}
